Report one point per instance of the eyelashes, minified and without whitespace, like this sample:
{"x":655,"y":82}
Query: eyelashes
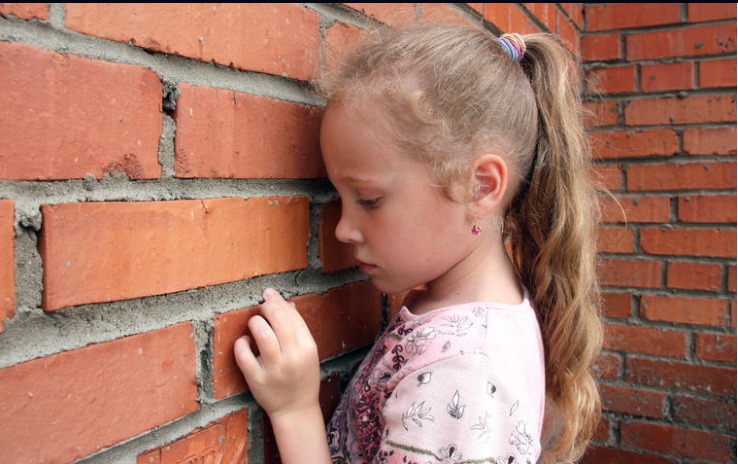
{"x":369,"y":203}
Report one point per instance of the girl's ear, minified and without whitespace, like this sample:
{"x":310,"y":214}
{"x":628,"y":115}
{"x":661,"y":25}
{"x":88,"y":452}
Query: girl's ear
{"x":490,"y":179}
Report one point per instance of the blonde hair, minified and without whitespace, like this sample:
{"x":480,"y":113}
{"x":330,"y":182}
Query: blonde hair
{"x":452,"y":93}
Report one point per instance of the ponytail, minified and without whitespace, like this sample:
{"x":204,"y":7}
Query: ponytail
{"x":551,"y":224}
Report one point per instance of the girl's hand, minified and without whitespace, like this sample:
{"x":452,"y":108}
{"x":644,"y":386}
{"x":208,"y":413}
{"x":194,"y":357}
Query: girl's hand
{"x":285,"y":377}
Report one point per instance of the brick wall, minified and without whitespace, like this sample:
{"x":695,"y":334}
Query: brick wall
{"x":159,"y":166}
{"x":663,"y":84}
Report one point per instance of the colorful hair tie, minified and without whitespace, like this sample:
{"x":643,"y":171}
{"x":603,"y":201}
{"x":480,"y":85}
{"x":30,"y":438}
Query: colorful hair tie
{"x":514,"y":45}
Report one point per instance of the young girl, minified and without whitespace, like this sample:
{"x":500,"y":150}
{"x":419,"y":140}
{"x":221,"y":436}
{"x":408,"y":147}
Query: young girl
{"x":444,"y":142}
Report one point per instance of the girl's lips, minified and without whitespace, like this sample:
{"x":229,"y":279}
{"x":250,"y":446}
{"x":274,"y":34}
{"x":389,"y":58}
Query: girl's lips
{"x":366,"y":268}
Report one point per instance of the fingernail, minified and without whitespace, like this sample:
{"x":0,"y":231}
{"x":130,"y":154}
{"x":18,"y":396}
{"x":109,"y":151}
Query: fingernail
{"x":269,"y":292}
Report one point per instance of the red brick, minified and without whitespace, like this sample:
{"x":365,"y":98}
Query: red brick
{"x":630,"y":15}
{"x":605,"y":455}
{"x":343,"y":319}
{"x":7,"y":261}
{"x":567,"y":32}
{"x":598,"y":114}
{"x":695,"y":109}
{"x":50,"y":103}
{"x":575,"y":11}
{"x":611,"y":80}
{"x":645,"y":340}
{"x":340,"y":39}
{"x":25,"y":10}
{"x":608,"y":366}
{"x":274,"y":38}
{"x":632,"y":401}
{"x":509,"y":18}
{"x":684,"y":310}
{"x":616,"y":305}
{"x":334,"y":255}
{"x":394,"y":14}
{"x":635,"y":209}
{"x":440,"y":12}
{"x":224,"y":440}
{"x":687,"y":377}
{"x":72,"y":404}
{"x":733,"y":313}
{"x":710,"y":141}
{"x":608,"y":176}
{"x":731,"y":278}
{"x":222,"y":133}
{"x":715,"y":243}
{"x":697,"y":12}
{"x":545,"y":12}
{"x":601,"y":47}
{"x":715,"y":347}
{"x":630,"y":143}
{"x":638,"y":273}
{"x":674,"y":440}
{"x":96,"y":252}
{"x":614,"y":239}
{"x":703,"y":411}
{"x":693,"y":276}
{"x":602,"y":432}
{"x":667,"y":76}
{"x":708,"y":208}
{"x":703,"y":40}
{"x":681,"y":176}
{"x":718,"y":73}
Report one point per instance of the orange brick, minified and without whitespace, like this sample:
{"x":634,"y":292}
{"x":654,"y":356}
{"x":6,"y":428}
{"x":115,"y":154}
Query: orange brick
{"x":25,"y":10}
{"x":611,"y":80}
{"x":630,"y":15}
{"x":222,"y":133}
{"x":617,"y":272}
{"x":340,"y":38}
{"x":440,"y":12}
{"x":7,"y":261}
{"x":682,"y":376}
{"x":675,"y":440}
{"x":334,"y":255}
{"x":645,"y":340}
{"x":680,"y":176}
{"x":567,"y":32}
{"x":697,"y":12}
{"x":667,"y":76}
{"x":602,"y":114}
{"x":628,"y":144}
{"x":704,"y":40}
{"x":616,"y":305}
{"x":96,"y":252}
{"x":684,"y":310}
{"x":225,"y":440}
{"x":509,"y":18}
{"x":710,"y":141}
{"x":394,"y":14}
{"x":274,"y":38}
{"x":695,"y":109}
{"x":545,"y":12}
{"x":714,"y":243}
{"x":708,"y":209}
{"x":575,"y":11}
{"x":601,"y":47}
{"x":343,"y":319}
{"x":632,"y":401}
{"x":50,"y":103}
{"x":69,"y":405}
{"x":693,"y":276}
{"x":718,"y":73}
{"x":615,"y":239}
{"x":715,"y":347}
{"x":635,"y":209}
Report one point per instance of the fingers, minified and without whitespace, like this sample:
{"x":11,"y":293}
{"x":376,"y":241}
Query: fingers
{"x":266,"y":341}
{"x":245,"y":358}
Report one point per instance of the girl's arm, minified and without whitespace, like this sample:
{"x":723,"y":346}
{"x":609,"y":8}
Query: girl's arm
{"x":285,"y":379}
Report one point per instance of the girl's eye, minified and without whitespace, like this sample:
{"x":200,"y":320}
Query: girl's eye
{"x":371,"y":203}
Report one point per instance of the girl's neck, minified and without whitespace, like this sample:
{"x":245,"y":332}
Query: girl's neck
{"x":485,"y":275}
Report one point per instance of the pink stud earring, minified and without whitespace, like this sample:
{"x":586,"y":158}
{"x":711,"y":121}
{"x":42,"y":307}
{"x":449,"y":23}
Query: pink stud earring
{"x":475,"y":229}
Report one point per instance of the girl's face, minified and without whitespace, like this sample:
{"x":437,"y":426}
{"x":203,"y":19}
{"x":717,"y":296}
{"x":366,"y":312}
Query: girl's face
{"x":405,"y":232}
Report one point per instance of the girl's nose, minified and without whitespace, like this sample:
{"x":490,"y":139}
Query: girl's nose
{"x":347,"y":232}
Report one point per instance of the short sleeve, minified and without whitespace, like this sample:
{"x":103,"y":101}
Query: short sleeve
{"x":459,"y":410}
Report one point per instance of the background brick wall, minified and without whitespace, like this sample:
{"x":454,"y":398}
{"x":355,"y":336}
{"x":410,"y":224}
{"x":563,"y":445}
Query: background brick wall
{"x":159,"y":166}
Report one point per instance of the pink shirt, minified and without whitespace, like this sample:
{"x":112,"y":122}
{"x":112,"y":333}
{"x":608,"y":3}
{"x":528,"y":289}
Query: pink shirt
{"x":459,"y":384}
